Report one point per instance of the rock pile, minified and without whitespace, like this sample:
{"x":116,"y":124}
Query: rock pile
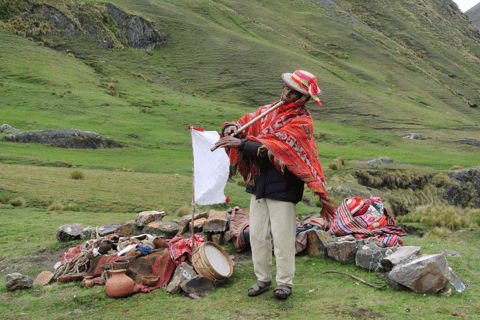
{"x":65,"y":138}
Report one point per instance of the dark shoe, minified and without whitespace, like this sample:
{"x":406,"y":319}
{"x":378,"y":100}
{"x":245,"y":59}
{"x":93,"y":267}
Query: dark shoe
{"x":259,"y":288}
{"x":282,"y":292}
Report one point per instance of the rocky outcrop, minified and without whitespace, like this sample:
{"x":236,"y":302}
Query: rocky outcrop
{"x":474,"y":15}
{"x":5,"y":127}
{"x":466,"y":188}
{"x":107,"y":24}
{"x":65,"y":138}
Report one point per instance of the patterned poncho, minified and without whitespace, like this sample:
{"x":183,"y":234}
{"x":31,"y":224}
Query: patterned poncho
{"x":287,"y":134}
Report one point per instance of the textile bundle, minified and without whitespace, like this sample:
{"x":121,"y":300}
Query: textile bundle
{"x":240,"y":228}
{"x":366,"y":218}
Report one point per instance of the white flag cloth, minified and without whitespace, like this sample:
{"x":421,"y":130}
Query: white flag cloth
{"x":210,"y":169}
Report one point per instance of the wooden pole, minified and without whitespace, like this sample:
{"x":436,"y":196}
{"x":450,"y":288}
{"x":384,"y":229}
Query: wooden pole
{"x":192,"y":228}
{"x":263,"y":114}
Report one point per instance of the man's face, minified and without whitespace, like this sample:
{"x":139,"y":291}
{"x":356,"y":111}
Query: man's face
{"x":290,"y":95}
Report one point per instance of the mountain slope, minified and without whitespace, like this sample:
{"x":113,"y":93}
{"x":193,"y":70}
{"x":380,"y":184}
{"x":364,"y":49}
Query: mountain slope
{"x":474,"y":15}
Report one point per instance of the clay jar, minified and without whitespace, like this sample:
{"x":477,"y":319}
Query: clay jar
{"x":118,"y":284}
{"x":121,"y":264}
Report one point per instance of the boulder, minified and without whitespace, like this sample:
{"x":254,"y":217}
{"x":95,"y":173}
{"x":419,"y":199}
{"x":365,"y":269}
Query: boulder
{"x":428,"y":274}
{"x":16,"y":281}
{"x":198,"y":285}
{"x":402,"y":255}
{"x":108,"y":229}
{"x":44,"y":278}
{"x":184,"y":222}
{"x":88,"y":233}
{"x":5,"y":126}
{"x":218,"y":238}
{"x":470,"y":141}
{"x":217,"y":222}
{"x":345,"y":250}
{"x":317,"y":241}
{"x":69,"y":232}
{"x":370,"y":256}
{"x":144,"y":218}
{"x":164,"y":229}
{"x":130,"y":228}
{"x":182,"y":273}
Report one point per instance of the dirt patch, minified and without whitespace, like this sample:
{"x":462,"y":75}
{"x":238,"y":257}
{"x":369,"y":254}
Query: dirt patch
{"x":365,"y":314}
{"x":43,"y":260}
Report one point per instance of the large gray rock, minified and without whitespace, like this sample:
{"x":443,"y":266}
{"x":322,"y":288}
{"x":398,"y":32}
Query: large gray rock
{"x":88,"y":233}
{"x":69,"y":232}
{"x":370,"y":256}
{"x":109,"y":229}
{"x":182,"y":273}
{"x":164,"y":229}
{"x":16,"y":281}
{"x":344,"y":251}
{"x":198,"y":285}
{"x":428,"y":274}
{"x":470,"y":141}
{"x":217,"y":222}
{"x":466,"y":188}
{"x":65,"y":138}
{"x":317,"y":241}
{"x":401,"y":256}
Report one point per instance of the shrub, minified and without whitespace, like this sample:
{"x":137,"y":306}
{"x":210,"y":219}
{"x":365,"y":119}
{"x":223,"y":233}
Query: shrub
{"x":111,"y":86}
{"x":241,"y":182}
{"x":105,"y":79}
{"x":456,"y":167}
{"x":56,"y":206}
{"x":2,"y":85}
{"x":124,"y":170}
{"x":115,"y":80}
{"x":441,"y":180}
{"x":114,"y":93}
{"x":5,"y":197}
{"x":69,"y":91}
{"x":145,"y":109}
{"x":183,"y":211}
{"x":72,"y":207}
{"x":18,"y":202}
{"x":77,"y":175}
{"x":335,"y":164}
{"x":436,"y":233}
{"x":71,"y":55}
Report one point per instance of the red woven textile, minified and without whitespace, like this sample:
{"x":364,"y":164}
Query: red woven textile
{"x":287,"y":133}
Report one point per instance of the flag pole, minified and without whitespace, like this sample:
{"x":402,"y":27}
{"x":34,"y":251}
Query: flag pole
{"x":263,"y":114}
{"x":192,"y":226}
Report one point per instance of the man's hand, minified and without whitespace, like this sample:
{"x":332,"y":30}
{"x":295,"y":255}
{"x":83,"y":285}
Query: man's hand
{"x":228,"y":142}
{"x":229,"y":130}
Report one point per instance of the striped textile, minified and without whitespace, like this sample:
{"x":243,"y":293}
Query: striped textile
{"x":344,"y":224}
{"x":287,"y":134}
{"x":240,"y":228}
{"x":181,"y":249}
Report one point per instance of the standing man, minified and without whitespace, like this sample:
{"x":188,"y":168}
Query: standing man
{"x":277,"y":156}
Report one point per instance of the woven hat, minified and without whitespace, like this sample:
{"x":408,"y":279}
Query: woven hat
{"x":303,"y":82}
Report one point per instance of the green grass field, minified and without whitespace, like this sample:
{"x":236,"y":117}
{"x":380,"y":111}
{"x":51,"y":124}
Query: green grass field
{"x":408,"y":67}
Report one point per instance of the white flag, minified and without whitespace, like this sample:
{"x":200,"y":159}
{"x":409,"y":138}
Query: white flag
{"x":210,"y":169}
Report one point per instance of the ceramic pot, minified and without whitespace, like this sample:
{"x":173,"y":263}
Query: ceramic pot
{"x":121,"y":264}
{"x":118,"y":284}
{"x":87,"y":282}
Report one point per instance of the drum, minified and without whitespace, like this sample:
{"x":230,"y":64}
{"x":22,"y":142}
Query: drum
{"x":212,"y":262}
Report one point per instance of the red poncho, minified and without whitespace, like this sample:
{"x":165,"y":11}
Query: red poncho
{"x":287,"y":134}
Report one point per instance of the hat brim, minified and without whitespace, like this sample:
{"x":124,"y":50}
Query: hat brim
{"x":287,"y":78}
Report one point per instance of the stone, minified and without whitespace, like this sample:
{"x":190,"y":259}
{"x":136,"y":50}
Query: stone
{"x":144,"y":218}
{"x":452,"y":253}
{"x":164,"y":229}
{"x":344,"y":251}
{"x":185,"y":221}
{"x":174,"y":286}
{"x":217,"y":222}
{"x":17,"y":281}
{"x":69,"y":232}
{"x":227,"y":236}
{"x":186,"y":271}
{"x":218,"y":238}
{"x":44,"y":278}
{"x":317,"y":241}
{"x":198,"y":285}
{"x":428,"y":274}
{"x":88,"y":233}
{"x":108,"y":229}
{"x":402,"y":255}
{"x":370,"y":256}
{"x":5,"y":126}
{"x":130,"y":228}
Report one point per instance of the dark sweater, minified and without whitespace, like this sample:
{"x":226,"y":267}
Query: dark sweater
{"x":272,"y":183}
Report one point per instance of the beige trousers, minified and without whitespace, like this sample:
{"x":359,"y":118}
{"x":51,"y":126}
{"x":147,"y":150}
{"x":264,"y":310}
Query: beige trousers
{"x":279,"y":217}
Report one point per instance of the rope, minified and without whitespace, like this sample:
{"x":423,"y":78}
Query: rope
{"x":73,"y":265}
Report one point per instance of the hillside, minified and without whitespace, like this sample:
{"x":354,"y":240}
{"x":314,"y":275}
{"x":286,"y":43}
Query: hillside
{"x":474,"y":15}
{"x":139,"y":72}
